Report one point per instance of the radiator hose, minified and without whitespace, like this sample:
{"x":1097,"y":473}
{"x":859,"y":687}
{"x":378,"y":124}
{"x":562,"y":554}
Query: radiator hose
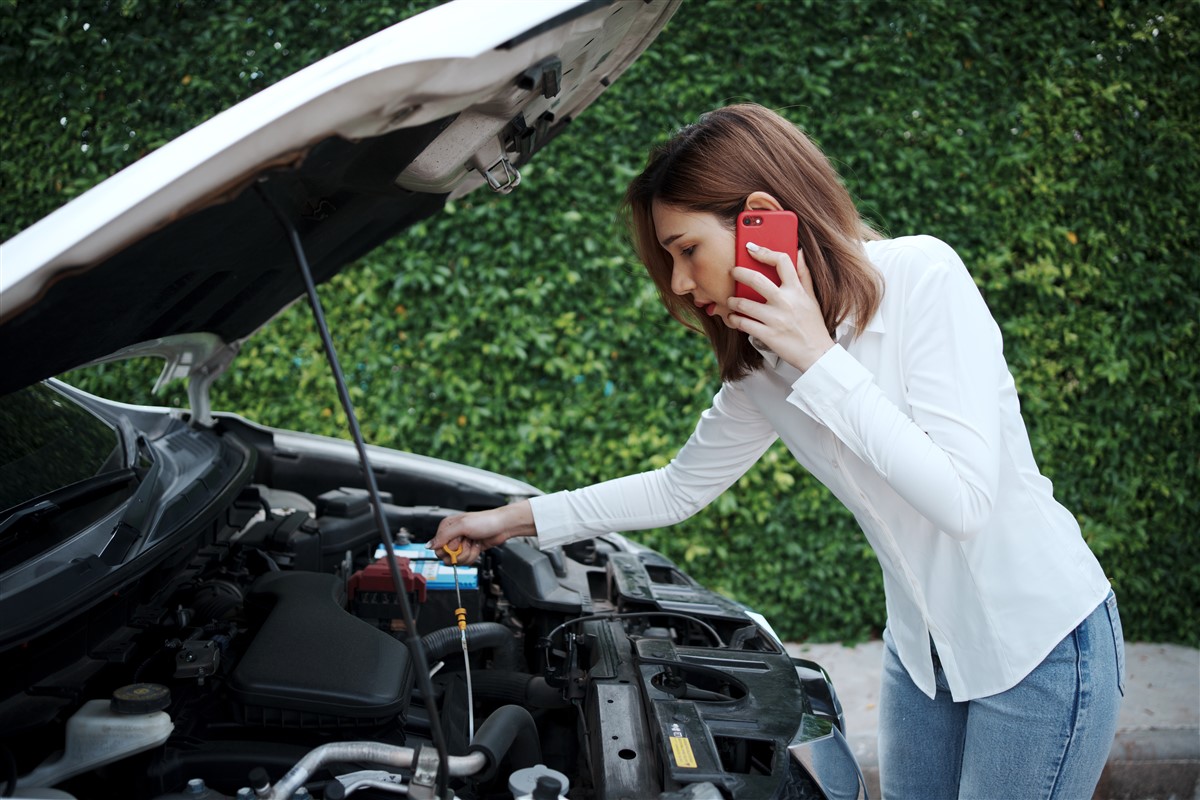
{"x":480,"y":636}
{"x":510,"y":731}
{"x":520,"y":688}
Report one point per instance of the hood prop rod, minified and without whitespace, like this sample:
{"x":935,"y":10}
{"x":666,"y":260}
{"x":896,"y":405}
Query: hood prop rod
{"x":422,"y":670}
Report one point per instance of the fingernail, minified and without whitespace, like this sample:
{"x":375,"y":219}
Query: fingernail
{"x":752,"y":246}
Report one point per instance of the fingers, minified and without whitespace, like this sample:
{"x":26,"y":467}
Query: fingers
{"x":470,"y":531}
{"x":790,"y":275}
{"x":746,"y":323}
{"x":469,"y":554}
{"x":788,"y":271}
{"x":754,"y":280}
{"x":471,"y":551}
{"x":446,"y":534}
{"x":452,"y":534}
{"x":783,"y":302}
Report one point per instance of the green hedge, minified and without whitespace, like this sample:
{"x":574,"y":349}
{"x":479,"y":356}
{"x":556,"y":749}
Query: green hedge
{"x":1055,"y":146}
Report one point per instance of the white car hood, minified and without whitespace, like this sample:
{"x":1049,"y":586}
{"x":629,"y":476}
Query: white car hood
{"x":355,"y":147}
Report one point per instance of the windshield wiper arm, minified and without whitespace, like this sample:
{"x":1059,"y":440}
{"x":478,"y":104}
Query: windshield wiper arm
{"x":66,"y":497}
{"x":37,"y":510}
{"x":132,"y":527}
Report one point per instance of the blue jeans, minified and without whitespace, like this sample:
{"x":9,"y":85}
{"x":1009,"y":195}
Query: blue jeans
{"x":1047,"y":737}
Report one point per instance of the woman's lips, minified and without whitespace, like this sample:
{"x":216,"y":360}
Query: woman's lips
{"x":710,"y":309}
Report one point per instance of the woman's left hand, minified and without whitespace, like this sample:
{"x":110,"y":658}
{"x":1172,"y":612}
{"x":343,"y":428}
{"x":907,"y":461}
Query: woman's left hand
{"x":790,"y":322}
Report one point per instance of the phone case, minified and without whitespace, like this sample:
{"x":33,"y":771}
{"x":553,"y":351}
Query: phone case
{"x":774,"y":230}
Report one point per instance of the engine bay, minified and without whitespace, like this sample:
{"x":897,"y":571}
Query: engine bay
{"x":277,"y":631}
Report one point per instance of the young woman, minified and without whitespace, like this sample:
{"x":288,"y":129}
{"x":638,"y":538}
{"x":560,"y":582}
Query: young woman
{"x":879,"y":365}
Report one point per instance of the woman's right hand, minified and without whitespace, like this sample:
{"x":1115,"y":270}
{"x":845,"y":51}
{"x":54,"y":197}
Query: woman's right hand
{"x":477,"y":531}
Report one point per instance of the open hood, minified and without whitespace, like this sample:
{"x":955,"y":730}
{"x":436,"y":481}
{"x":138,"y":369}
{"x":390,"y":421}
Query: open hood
{"x":182,"y":247}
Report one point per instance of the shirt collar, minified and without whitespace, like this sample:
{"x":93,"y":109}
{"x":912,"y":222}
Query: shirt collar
{"x":874,"y":325}
{"x":770,"y":357}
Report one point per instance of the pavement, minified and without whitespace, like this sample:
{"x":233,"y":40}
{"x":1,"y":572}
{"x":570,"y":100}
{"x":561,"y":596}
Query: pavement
{"x":1156,"y":753}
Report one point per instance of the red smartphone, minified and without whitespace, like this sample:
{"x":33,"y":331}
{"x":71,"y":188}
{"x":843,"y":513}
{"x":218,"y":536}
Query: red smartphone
{"x":774,"y":230}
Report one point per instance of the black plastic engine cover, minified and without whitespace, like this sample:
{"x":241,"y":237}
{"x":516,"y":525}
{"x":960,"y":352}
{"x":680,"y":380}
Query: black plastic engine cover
{"x":312,"y":663}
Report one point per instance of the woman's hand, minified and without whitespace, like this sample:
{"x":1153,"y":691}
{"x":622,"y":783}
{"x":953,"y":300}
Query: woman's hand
{"x":790,"y":322}
{"x":477,"y":531}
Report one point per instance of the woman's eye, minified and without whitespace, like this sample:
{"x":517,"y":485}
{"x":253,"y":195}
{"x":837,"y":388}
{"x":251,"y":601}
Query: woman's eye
{"x":687,"y":251}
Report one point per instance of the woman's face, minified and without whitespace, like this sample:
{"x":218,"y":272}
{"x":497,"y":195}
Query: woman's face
{"x":702,"y":255}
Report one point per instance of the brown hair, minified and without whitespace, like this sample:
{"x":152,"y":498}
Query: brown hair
{"x":712,"y":166}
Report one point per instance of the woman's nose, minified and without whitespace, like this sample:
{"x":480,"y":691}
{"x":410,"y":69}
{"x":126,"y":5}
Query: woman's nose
{"x":681,"y":280}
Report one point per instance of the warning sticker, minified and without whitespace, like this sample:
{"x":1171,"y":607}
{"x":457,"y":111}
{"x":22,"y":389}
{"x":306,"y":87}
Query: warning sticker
{"x":683,"y":752}
{"x":681,"y":746}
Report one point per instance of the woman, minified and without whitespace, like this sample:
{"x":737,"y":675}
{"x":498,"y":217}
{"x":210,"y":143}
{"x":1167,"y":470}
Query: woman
{"x":879,"y":365}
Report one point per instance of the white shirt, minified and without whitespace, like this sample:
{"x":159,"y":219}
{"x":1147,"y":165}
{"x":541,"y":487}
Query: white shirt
{"x":914,"y":425}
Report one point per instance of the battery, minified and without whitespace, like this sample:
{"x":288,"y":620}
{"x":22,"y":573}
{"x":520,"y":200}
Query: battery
{"x":440,"y":601}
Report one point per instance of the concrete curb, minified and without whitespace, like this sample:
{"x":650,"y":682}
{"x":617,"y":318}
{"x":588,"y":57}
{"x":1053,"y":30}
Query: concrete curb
{"x":1156,"y":753}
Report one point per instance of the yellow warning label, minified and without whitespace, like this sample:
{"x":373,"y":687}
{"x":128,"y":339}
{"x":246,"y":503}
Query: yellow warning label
{"x":683,"y":752}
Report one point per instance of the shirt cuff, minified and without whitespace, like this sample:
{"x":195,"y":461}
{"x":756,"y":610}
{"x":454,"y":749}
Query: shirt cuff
{"x":822,"y":388}
{"x":551,"y":518}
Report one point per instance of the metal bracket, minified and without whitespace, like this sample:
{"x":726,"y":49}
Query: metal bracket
{"x":423,"y":785}
{"x":509,"y":178}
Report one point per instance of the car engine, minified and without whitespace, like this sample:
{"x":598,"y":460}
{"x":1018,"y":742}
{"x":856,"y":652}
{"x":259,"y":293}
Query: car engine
{"x":599,"y":669}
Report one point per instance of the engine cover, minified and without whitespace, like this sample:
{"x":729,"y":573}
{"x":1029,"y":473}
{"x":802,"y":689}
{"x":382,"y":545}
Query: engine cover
{"x":313,"y":664}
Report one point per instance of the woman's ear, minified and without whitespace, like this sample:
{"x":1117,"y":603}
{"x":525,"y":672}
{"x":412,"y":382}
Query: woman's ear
{"x":761,"y":201}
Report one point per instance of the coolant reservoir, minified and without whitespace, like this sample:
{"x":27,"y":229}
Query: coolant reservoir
{"x":524,"y":783}
{"x":100,"y":734}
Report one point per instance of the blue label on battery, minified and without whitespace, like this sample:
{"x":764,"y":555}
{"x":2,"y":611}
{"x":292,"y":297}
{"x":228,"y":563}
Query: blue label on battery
{"x":437,"y":575}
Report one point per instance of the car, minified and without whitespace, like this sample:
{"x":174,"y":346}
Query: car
{"x":193,"y":605}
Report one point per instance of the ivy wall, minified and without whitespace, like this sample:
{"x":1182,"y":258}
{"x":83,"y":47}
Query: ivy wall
{"x":1055,"y":146}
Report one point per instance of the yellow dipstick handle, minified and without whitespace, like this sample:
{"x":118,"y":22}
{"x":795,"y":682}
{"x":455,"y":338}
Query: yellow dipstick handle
{"x":460,"y":613}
